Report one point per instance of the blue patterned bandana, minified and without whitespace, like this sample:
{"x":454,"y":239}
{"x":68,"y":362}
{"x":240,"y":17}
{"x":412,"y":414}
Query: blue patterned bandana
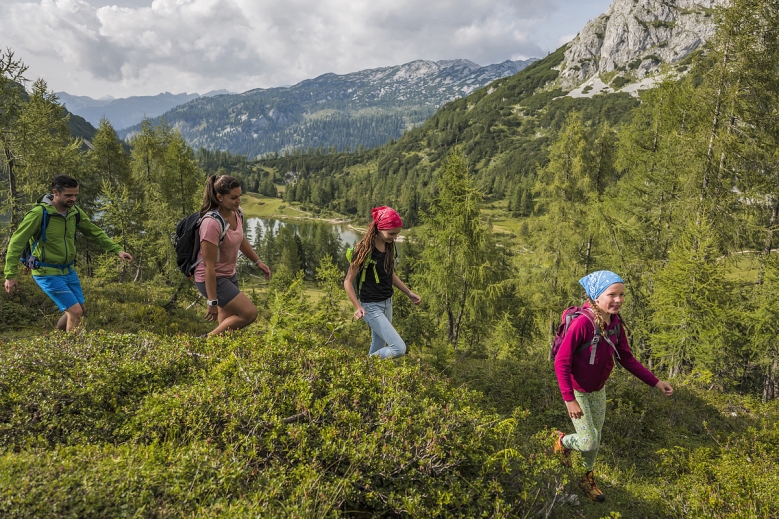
{"x":594,"y":284}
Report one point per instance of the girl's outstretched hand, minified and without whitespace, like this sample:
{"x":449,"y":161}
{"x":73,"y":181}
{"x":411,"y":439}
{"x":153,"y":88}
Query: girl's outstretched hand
{"x":665,"y":387}
{"x":414,"y":298}
{"x":574,"y":411}
{"x":359,"y":313}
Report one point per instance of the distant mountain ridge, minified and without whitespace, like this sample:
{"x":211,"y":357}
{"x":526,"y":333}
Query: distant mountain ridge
{"x":125,"y":112}
{"x":365,"y":108}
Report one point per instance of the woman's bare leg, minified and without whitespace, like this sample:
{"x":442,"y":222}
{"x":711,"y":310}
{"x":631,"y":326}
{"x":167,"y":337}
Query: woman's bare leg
{"x":238,"y":313}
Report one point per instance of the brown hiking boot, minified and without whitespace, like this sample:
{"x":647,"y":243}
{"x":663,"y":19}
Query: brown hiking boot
{"x":590,"y":489}
{"x":560,"y":450}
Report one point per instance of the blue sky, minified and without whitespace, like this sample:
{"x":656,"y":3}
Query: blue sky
{"x":143,"y":47}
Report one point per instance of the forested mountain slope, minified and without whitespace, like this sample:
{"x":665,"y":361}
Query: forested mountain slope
{"x":362,"y":109}
{"x":503,"y":129}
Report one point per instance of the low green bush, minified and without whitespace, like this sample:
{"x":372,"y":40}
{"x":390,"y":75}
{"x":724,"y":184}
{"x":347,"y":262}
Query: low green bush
{"x":106,"y":425}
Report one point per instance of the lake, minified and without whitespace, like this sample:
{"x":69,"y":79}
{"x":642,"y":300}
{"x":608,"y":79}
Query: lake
{"x":304,"y":229}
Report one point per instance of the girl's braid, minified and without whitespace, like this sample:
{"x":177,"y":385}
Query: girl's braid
{"x":596,"y":313}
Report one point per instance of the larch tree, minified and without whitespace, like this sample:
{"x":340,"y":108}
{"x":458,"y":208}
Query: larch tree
{"x":458,"y":273}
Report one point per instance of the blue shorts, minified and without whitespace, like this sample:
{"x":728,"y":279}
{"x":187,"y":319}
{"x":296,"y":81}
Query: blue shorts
{"x":64,"y":290}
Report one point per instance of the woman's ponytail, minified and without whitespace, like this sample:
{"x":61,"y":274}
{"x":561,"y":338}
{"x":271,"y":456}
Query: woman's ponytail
{"x":216,"y":184}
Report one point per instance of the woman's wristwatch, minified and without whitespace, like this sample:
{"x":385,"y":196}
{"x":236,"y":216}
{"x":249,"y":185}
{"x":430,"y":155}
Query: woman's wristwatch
{"x":212,"y":302}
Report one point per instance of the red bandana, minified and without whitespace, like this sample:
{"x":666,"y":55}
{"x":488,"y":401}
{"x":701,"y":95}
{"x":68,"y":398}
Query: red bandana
{"x":386,"y":218}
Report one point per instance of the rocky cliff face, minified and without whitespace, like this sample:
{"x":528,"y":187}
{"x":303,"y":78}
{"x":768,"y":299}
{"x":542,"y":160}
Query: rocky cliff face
{"x":634,"y":37}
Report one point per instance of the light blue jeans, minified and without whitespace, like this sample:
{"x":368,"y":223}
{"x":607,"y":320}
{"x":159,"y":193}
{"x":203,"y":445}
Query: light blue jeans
{"x":386,"y":342}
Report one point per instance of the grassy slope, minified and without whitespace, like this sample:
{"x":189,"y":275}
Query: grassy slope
{"x":701,"y":453}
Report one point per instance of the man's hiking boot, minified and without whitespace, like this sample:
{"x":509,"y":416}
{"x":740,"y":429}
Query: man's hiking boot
{"x":590,"y":489}
{"x":561,"y":450}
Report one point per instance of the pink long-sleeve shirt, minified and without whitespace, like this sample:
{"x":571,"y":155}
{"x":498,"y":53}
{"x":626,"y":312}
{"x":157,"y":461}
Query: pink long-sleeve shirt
{"x":576,"y":372}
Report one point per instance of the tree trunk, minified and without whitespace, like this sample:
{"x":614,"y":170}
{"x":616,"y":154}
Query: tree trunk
{"x":460,"y":314}
{"x":712,"y":137}
{"x":124,"y":264}
{"x":13,"y":197}
{"x":587,"y":255}
{"x":138,"y":273}
{"x":171,"y":304}
{"x":770,"y":384}
{"x":768,"y":241}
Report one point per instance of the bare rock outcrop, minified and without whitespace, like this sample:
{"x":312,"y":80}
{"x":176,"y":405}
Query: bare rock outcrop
{"x":635,"y":37}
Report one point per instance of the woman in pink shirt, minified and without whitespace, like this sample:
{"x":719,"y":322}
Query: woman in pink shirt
{"x":221,"y":238}
{"x":583,"y":367}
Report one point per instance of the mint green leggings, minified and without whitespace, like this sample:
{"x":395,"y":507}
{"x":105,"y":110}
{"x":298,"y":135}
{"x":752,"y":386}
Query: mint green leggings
{"x":588,"y":427}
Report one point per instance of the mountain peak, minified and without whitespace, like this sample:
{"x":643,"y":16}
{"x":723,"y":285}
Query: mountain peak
{"x":634,"y":37}
{"x":446,"y":63}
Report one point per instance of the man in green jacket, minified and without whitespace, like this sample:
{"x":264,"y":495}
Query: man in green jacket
{"x":54,"y":250}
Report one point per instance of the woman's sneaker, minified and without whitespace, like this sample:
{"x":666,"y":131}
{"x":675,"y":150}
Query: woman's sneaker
{"x":590,"y":489}
{"x":560,"y":449}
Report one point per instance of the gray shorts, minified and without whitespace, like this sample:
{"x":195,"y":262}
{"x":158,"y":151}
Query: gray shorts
{"x":226,"y":289}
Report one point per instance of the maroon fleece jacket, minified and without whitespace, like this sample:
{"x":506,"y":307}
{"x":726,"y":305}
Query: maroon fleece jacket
{"x":576,"y":372}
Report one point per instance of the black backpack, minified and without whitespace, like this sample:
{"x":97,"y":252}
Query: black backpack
{"x":186,"y":239}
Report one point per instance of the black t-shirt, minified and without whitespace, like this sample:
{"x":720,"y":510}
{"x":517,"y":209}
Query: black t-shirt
{"x":370,"y":292}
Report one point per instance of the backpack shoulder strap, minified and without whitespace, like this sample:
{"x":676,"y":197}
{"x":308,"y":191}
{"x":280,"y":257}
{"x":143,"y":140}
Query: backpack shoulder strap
{"x":224,"y":226}
{"x":573,"y":316}
{"x":78,"y":215}
{"x":44,"y":223}
{"x":222,"y":223}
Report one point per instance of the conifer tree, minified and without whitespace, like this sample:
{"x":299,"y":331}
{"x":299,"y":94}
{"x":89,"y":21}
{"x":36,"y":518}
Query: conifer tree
{"x":689,"y":304}
{"x":42,"y":144}
{"x":12,"y":97}
{"x":457,"y":268}
{"x":109,"y":158}
{"x":569,"y":190}
{"x":181,"y":182}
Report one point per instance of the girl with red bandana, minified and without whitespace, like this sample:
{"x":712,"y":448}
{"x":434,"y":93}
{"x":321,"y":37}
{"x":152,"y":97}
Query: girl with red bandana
{"x":373,"y":263}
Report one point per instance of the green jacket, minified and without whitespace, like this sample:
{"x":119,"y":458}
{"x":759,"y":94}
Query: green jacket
{"x":60,"y":245}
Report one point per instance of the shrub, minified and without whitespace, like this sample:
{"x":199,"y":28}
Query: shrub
{"x":620,"y":81}
{"x":123,"y":425}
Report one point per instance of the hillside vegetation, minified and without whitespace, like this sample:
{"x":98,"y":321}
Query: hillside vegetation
{"x":290,"y":418}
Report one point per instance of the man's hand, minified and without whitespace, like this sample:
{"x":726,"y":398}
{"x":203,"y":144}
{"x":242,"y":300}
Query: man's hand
{"x":126,"y":257}
{"x":11,"y":285}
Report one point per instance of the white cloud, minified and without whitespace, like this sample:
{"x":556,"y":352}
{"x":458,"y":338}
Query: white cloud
{"x":562,"y":40}
{"x":198,"y":45}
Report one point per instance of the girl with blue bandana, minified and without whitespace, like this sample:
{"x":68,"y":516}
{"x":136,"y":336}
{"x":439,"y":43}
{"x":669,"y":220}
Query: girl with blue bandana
{"x":583,"y":365}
